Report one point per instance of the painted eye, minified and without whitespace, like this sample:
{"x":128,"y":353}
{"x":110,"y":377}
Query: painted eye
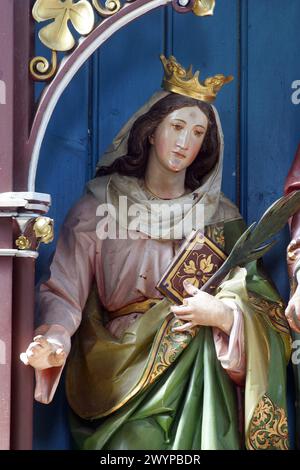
{"x":199,"y":133}
{"x":177,"y":127}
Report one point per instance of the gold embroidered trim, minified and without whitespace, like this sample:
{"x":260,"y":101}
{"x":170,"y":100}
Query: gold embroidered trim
{"x":216,"y":234}
{"x":268,"y":428}
{"x":167,"y":347}
{"x":135,"y":307}
{"x":170,"y":345}
{"x":273,"y":310}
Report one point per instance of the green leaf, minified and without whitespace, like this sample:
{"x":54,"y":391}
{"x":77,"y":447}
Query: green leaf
{"x":275,"y":217}
{"x":253,"y":243}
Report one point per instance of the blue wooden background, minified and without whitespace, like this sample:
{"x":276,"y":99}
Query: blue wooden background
{"x":257,"y":42}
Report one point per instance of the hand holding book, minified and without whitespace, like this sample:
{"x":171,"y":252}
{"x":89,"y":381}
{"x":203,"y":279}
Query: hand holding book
{"x":201,"y":308}
{"x":201,"y":261}
{"x":198,"y":259}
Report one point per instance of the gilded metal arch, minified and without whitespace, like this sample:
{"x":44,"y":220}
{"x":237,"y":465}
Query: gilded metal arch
{"x":72,"y":63}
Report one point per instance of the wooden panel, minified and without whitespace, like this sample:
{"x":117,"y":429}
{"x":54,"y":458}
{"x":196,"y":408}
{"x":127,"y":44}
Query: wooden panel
{"x":129,"y":73}
{"x":5,"y":334}
{"x":23,"y":90}
{"x":23,"y":269}
{"x":6,"y":172}
{"x":62,"y":172}
{"x":100,"y":98}
{"x":273,"y":120}
{"x":273,"y":125}
{"x":254,"y":41}
{"x":211,"y":45}
{"x":62,"y":169}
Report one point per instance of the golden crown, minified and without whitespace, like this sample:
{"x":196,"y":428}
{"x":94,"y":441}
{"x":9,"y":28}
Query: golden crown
{"x":179,"y":80}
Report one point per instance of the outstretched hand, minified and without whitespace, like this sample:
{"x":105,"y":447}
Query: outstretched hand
{"x":203,"y":309}
{"x":43,"y":353}
{"x":292,"y":311}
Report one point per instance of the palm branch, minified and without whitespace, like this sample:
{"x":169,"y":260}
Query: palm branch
{"x":255,"y":241}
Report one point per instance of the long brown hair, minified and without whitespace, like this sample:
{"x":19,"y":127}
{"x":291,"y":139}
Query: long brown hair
{"x":135,"y":162}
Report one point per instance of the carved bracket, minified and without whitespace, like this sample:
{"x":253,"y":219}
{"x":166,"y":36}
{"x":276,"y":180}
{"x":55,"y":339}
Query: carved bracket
{"x":30,"y":226}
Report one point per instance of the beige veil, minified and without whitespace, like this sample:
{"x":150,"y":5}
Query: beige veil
{"x":215,"y":207}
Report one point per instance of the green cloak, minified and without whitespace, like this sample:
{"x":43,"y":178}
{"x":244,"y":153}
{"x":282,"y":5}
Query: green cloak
{"x":157,"y":389}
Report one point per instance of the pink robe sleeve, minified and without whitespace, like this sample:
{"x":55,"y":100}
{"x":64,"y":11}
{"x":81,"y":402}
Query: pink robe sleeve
{"x":292,"y":183}
{"x":230,"y":349}
{"x":63,"y":296}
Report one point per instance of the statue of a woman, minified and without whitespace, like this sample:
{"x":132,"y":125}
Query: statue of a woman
{"x":143,"y":374}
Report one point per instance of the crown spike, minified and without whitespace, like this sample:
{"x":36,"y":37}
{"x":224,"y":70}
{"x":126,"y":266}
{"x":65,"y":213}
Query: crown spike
{"x":189,"y":72}
{"x":179,"y":80}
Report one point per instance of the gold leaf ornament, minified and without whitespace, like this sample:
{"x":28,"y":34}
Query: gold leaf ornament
{"x":43,"y":229}
{"x":23,"y":243}
{"x":269,"y":427}
{"x":193,"y":280}
{"x":57,"y":35}
{"x":111,"y":7}
{"x":190,"y":267}
{"x":204,"y":7}
{"x":206,"y":265}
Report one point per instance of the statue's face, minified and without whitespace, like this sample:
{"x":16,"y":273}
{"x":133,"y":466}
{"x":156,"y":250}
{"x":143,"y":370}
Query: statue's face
{"x":177,"y":140}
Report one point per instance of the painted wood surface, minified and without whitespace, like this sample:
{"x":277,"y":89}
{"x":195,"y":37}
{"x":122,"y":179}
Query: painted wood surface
{"x":256,"y":41}
{"x":6,"y":184}
{"x":23,"y":297}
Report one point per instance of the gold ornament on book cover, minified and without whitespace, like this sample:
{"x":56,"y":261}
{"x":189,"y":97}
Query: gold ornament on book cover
{"x":198,"y":259}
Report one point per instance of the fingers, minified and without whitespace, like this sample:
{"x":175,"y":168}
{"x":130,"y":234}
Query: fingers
{"x":33,"y":349}
{"x":24,"y":358}
{"x":181,"y":310}
{"x":41,"y":340}
{"x":190,"y":289}
{"x":296,"y":303}
{"x":289,"y":310}
{"x":186,"y":317}
{"x":39,"y":346}
{"x":43,"y":353}
{"x":57,"y":358}
{"x":185,"y":327}
{"x":289,"y":313}
{"x":293,"y":325}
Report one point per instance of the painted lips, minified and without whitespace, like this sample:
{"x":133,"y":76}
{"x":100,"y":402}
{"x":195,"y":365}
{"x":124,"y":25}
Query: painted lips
{"x":179,"y":155}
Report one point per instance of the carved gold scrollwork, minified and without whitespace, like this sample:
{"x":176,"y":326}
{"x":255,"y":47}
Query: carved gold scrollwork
{"x":23,"y":243}
{"x":33,"y":232}
{"x":57,"y":35}
{"x":43,"y":229}
{"x":273,"y":310}
{"x":204,"y":7}
{"x":216,"y":234}
{"x":111,"y":7}
{"x":268,"y":428}
{"x":293,"y":250}
{"x":169,"y":347}
{"x":40,"y":68}
{"x":198,"y":270}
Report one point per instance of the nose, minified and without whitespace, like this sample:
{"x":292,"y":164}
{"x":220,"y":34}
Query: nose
{"x":183,"y":139}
